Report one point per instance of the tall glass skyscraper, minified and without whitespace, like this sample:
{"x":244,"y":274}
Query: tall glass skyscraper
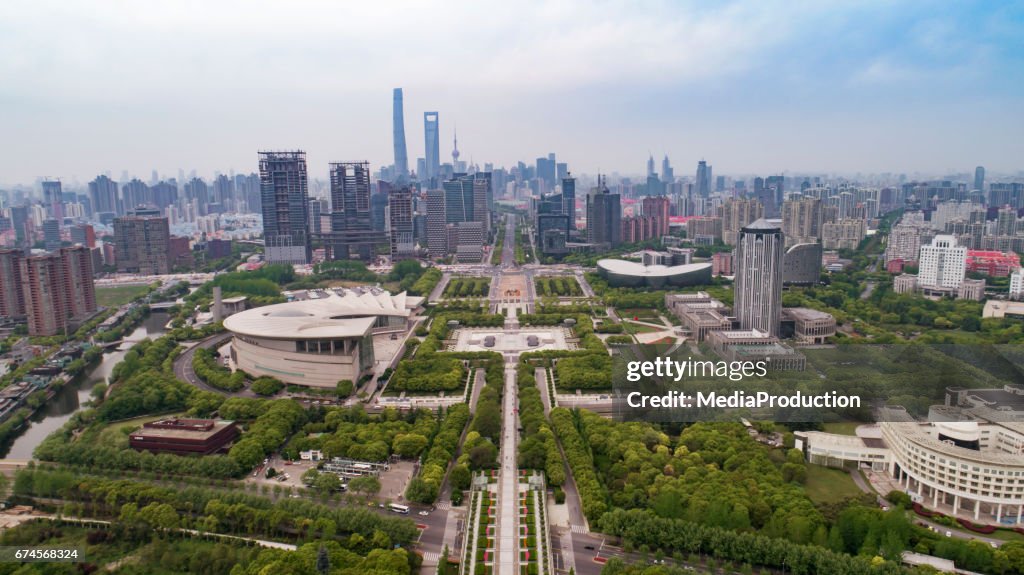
{"x":432,"y":143}
{"x":758,"y":292}
{"x":401,"y":159}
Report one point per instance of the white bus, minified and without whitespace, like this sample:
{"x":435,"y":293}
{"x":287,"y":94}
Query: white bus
{"x":399,"y":508}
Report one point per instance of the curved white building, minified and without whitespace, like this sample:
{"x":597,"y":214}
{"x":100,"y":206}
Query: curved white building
{"x":633,"y":274}
{"x":971,"y":468}
{"x":964,"y":467}
{"x":322,"y":337}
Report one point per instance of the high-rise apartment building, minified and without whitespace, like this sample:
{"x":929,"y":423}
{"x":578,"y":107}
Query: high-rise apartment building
{"x":657,"y":208}
{"x":285,"y":203}
{"x":351,"y":219}
{"x":758,"y":293}
{"x":943,"y":263}
{"x":847,"y":233}
{"x":1006,"y":221}
{"x":57,"y":289}
{"x":801,"y":220}
{"x":12,"y":299}
{"x":432,"y":146}
{"x":142,"y":243}
{"x":103,"y":195}
{"x":737,"y":213}
{"x":398,"y":134}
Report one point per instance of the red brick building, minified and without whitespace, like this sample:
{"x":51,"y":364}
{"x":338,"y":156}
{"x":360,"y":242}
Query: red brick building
{"x":184,"y":436}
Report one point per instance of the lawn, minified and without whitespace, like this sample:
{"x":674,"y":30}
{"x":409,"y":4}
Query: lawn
{"x":642,"y":314}
{"x":635,"y":328}
{"x":843,"y":427}
{"x":115,"y":434}
{"x":118,"y":295}
{"x":826,"y":485}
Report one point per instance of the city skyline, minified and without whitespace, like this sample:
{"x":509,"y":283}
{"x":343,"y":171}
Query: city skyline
{"x":691,"y":76}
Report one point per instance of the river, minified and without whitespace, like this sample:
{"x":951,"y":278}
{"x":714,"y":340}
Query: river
{"x":72,"y":396}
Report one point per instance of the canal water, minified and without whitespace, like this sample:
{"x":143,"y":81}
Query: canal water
{"x":73,"y":396}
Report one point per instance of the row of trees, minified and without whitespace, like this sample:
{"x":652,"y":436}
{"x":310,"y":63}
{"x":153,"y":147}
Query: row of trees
{"x":577,"y":454}
{"x":467,"y":287}
{"x":350,"y":432}
{"x":539,"y":449}
{"x":425,"y":487}
{"x":208,"y":369}
{"x":231,"y":512}
{"x":558,"y":286}
{"x":426,"y":282}
{"x":279,"y":420}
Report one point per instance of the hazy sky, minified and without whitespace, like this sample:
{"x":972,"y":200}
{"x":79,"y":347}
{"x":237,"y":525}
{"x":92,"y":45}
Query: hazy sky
{"x":752,"y":86}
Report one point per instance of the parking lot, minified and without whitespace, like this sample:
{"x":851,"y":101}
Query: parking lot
{"x":393,"y":481}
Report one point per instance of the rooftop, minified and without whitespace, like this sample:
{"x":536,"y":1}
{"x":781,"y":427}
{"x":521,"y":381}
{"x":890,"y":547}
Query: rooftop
{"x":636,"y":269}
{"x":185,"y":431}
{"x":322,"y":314}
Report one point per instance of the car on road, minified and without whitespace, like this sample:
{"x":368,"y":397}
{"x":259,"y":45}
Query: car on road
{"x":424,"y":513}
{"x":949,"y":533}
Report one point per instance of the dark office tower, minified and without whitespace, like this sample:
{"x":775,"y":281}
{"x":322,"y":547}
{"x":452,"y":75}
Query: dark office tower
{"x":719,"y":183}
{"x":142,"y":243}
{"x":458,"y":199}
{"x":546,"y":171}
{"x":703,"y":179}
{"x":315,"y":212}
{"x":650,"y":165}
{"x":53,"y":200}
{"x":432,"y":137}
{"x":979,"y":178}
{"x":103,"y":195}
{"x":483,"y":199}
{"x":133,"y":195}
{"x":758,"y":293}
{"x":20,"y":221}
{"x":437,"y":224}
{"x":51,"y":234}
{"x":403,"y":243}
{"x":351,"y":225}
{"x":604,"y":216}
{"x":398,"y":125}
{"x":569,"y":200}
{"x":285,"y":204}
{"x":379,"y":206}
{"x":561,"y":170}
{"x":668,"y":174}
{"x":12,"y":299}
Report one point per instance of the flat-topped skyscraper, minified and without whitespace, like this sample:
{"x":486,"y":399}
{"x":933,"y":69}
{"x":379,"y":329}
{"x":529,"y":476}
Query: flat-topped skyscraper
{"x":758,"y":292}
{"x":285,"y":201}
